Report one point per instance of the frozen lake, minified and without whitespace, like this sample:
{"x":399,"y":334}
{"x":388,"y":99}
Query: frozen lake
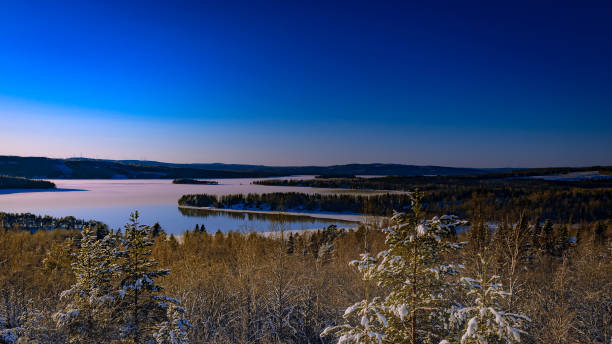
{"x":111,"y":201}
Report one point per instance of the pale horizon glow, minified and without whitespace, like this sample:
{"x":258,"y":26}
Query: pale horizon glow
{"x":52,"y":131}
{"x":294,"y":84}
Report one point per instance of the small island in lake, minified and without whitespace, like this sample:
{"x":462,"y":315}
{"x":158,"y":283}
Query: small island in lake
{"x":335,"y":176}
{"x":8,"y":182}
{"x":194,"y":181}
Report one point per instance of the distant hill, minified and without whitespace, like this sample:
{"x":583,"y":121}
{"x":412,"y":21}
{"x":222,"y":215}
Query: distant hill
{"x":349,"y":169}
{"x":38,"y":167}
{"x":85,"y":168}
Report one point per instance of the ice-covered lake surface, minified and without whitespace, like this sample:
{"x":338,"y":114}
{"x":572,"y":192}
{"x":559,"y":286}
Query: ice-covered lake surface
{"x":112,"y":201}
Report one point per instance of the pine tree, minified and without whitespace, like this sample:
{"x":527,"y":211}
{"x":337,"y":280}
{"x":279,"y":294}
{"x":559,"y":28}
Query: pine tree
{"x":290,"y":244}
{"x":174,"y":329}
{"x":142,"y":308}
{"x":479,"y":235}
{"x":411,"y":269}
{"x":371,"y":323}
{"x":486,"y":324}
{"x":562,"y":241}
{"x":89,"y":302}
{"x":157,"y":230}
{"x":547,"y":238}
{"x":534,"y":245}
{"x":34,"y":328}
{"x":599,"y":234}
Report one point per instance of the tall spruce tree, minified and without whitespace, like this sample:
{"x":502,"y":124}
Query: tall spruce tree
{"x":547,"y":238}
{"x":143,"y":310}
{"x":562,"y":240}
{"x":90,"y":301}
{"x":412,"y":270}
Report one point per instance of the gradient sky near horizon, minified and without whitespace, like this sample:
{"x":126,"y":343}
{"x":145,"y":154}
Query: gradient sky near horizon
{"x":302,"y":83}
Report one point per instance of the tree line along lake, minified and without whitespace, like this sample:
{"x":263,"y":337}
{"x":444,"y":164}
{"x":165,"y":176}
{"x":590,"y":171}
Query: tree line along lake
{"x":111,"y":202}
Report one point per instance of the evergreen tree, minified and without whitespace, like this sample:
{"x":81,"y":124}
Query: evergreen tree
{"x":562,"y":241}
{"x":371,"y":323}
{"x":89,"y":302}
{"x":479,"y":236}
{"x":143,"y":310}
{"x":34,"y":329}
{"x":412,"y":271}
{"x":486,"y":324}
{"x":200,"y":229}
{"x":290,"y":244}
{"x":174,"y":329}
{"x":534,"y":244}
{"x":157,"y":230}
{"x":599,"y":234}
{"x":547,"y":238}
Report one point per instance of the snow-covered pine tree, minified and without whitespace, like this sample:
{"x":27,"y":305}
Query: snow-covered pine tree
{"x":86,"y":314}
{"x":484,"y":322}
{"x":370,"y":324}
{"x":415,"y":308}
{"x":174,"y":329}
{"x":37,"y":327}
{"x":143,"y":310}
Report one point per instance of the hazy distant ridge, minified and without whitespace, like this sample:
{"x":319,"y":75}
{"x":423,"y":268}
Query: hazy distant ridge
{"x":83,"y":168}
{"x":355,"y":169}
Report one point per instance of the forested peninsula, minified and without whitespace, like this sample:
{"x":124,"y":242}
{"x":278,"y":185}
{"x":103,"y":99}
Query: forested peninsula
{"x":8,"y":182}
{"x":194,"y":181}
{"x":292,"y":201}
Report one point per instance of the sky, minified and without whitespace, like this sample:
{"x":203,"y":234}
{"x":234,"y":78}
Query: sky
{"x":308,"y":83}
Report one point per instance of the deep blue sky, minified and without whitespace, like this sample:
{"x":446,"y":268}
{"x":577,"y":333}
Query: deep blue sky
{"x":295,"y":83}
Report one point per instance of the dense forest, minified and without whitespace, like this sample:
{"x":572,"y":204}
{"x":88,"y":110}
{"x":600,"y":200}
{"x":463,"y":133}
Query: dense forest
{"x":194,"y":181}
{"x":488,"y":195}
{"x":293,"y":201}
{"x":7,"y":182}
{"x":517,"y":178}
{"x":522,"y":259}
{"x":32,"y":223}
{"x":563,"y":203}
{"x":313,"y":287}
